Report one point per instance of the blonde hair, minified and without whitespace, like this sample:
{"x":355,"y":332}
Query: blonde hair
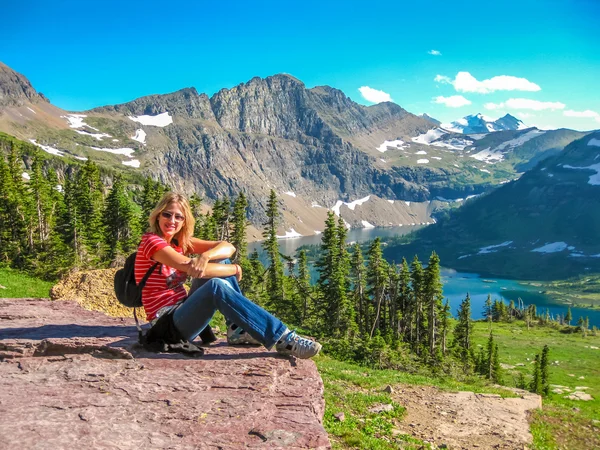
{"x":184,"y":236}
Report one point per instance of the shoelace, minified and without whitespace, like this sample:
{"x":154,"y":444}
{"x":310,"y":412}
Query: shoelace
{"x":302,"y":345}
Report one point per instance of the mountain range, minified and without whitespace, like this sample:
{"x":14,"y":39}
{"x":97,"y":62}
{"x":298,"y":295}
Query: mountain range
{"x":478,"y":123}
{"x":319,"y":150}
{"x":544,"y":225}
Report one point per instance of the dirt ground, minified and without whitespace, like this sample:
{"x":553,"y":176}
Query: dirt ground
{"x":465,"y":420}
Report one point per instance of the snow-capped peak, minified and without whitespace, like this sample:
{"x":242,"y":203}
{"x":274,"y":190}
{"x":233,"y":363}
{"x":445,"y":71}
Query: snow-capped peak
{"x":478,"y":123}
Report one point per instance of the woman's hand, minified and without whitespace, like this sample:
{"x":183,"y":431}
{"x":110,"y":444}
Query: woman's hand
{"x":197,"y":266}
{"x":238,"y":272}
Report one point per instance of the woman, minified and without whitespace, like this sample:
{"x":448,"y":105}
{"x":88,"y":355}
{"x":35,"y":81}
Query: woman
{"x":169,"y":241}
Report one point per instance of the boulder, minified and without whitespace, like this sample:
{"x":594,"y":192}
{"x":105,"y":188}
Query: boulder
{"x":70,"y":377}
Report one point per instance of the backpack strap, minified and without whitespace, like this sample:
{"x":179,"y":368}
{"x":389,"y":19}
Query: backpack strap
{"x":150,"y":270}
{"x":141,"y":286}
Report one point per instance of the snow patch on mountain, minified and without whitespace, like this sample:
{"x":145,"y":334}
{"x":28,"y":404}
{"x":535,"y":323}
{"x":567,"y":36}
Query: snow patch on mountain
{"x":394,"y":144}
{"x":594,"y":179}
{"x":48,"y":149}
{"x":553,"y":247}
{"x":430,"y":136}
{"x":133,"y":163}
{"x":366,"y":224}
{"x":493,"y":248}
{"x":520,"y":140}
{"x":488,"y":156}
{"x":290,"y":234}
{"x":76,"y":120}
{"x":351,"y":205}
{"x":98,"y":136}
{"x":453,"y":143}
{"x":290,"y":193}
{"x":594,"y":142}
{"x":422,"y":161}
{"x":140,"y":136}
{"x":160,"y":120}
{"x":116,"y":151}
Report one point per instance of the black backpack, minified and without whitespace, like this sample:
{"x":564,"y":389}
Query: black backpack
{"x":163,"y":336}
{"x":128,"y":292}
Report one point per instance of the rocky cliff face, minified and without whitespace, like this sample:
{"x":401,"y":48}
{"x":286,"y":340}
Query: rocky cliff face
{"x":15,"y":89}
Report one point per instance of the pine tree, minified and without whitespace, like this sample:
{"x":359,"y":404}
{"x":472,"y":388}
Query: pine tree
{"x":487,"y":310}
{"x":377,"y":283}
{"x":444,"y":325}
{"x":208,"y":229}
{"x":361,"y":303}
{"x":326,"y":267}
{"x":418,"y":290}
{"x":405,"y":302}
{"x":345,"y":322}
{"x":240,"y":224}
{"x":489,"y":358}
{"x":433,"y":299}
{"x":221,"y":217}
{"x":496,"y":376}
{"x":569,"y":316}
{"x":536,"y":382}
{"x":463,"y":332}
{"x":544,"y":376}
{"x":89,"y":199}
{"x":275,"y":287}
{"x":196,"y":207}
{"x":304,"y":288}
{"x":120,"y":223}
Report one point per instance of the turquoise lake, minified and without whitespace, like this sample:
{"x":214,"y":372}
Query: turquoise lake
{"x":457,"y":284}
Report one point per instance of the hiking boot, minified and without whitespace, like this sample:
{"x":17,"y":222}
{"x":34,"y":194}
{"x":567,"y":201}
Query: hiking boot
{"x":238,"y":336}
{"x":294,"y":345}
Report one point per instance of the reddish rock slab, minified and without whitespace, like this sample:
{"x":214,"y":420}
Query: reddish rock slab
{"x":72,"y":378}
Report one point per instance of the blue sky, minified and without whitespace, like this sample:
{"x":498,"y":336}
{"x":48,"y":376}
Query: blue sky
{"x":538,"y":60}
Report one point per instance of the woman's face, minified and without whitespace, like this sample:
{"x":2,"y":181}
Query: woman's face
{"x":170,"y":220}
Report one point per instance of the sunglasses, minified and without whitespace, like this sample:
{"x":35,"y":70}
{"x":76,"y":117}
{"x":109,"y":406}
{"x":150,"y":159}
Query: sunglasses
{"x":168,"y":215}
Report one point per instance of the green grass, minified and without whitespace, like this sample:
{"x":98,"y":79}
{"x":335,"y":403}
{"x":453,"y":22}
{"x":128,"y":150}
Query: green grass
{"x":353,"y":389}
{"x":16,"y":284}
{"x":562,"y":423}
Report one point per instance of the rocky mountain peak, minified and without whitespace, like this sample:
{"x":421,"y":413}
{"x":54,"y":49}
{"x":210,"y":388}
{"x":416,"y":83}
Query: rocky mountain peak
{"x":183,"y":103}
{"x":478,"y":123}
{"x":15,"y":89}
{"x":431,"y":119}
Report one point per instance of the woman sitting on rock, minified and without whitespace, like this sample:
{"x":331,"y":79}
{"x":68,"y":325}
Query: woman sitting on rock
{"x":168,"y":242}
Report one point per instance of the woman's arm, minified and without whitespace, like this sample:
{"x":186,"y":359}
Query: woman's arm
{"x":171,"y":258}
{"x":209,"y":251}
{"x":213,"y":249}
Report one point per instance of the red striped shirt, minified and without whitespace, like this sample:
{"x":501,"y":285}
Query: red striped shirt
{"x":165,"y":286}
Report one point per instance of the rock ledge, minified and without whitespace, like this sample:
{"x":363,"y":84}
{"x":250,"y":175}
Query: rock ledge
{"x":71,"y":377}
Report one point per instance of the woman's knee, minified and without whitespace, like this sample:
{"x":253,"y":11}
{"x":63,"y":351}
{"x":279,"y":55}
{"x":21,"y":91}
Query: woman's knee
{"x":219,"y":284}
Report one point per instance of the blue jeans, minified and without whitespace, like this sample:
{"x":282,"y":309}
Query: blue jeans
{"x":224,"y":295}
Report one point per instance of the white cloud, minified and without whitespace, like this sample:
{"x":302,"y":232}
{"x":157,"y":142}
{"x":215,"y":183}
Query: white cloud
{"x":465,"y":82}
{"x":435,"y":52}
{"x":454,"y":101}
{"x":583,"y":114}
{"x":525,"y":103}
{"x":523,"y":115}
{"x":442,"y":79}
{"x":373,"y":95}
